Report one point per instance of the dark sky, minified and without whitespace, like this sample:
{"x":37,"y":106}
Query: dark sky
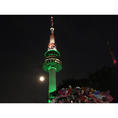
{"x":23,"y":40}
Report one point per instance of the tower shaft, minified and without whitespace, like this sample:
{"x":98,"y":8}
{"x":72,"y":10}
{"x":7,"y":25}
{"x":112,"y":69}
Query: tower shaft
{"x":52,"y":80}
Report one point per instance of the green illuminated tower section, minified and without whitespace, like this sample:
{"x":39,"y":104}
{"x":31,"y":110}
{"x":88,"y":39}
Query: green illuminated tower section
{"x":52,"y":63}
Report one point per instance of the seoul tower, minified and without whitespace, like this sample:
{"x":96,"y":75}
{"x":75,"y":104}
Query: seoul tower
{"x":52,"y":62}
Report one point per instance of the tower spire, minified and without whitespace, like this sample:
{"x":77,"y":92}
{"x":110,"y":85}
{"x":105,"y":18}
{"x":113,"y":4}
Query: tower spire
{"x":52,"y":24}
{"x":52,"y":45}
{"x":51,"y":21}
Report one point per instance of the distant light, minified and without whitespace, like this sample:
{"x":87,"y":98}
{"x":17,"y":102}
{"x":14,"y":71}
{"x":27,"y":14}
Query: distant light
{"x":114,"y":61}
{"x":42,"y":78}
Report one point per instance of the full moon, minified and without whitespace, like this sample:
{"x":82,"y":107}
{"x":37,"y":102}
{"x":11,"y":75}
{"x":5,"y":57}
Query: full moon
{"x":42,"y":78}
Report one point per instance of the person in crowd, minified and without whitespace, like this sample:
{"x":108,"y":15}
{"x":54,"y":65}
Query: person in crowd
{"x":82,"y":95}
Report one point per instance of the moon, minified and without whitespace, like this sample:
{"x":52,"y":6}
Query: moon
{"x":42,"y":78}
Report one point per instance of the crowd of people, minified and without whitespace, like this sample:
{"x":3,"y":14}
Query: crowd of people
{"x":81,"y":95}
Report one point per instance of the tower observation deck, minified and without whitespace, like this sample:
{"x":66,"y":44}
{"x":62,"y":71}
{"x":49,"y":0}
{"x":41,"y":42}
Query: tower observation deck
{"x":52,"y":62}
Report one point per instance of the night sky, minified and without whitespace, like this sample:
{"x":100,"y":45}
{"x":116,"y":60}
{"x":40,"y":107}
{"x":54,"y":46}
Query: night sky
{"x":81,"y":41}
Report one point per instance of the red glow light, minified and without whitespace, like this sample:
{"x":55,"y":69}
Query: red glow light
{"x":114,"y":61}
